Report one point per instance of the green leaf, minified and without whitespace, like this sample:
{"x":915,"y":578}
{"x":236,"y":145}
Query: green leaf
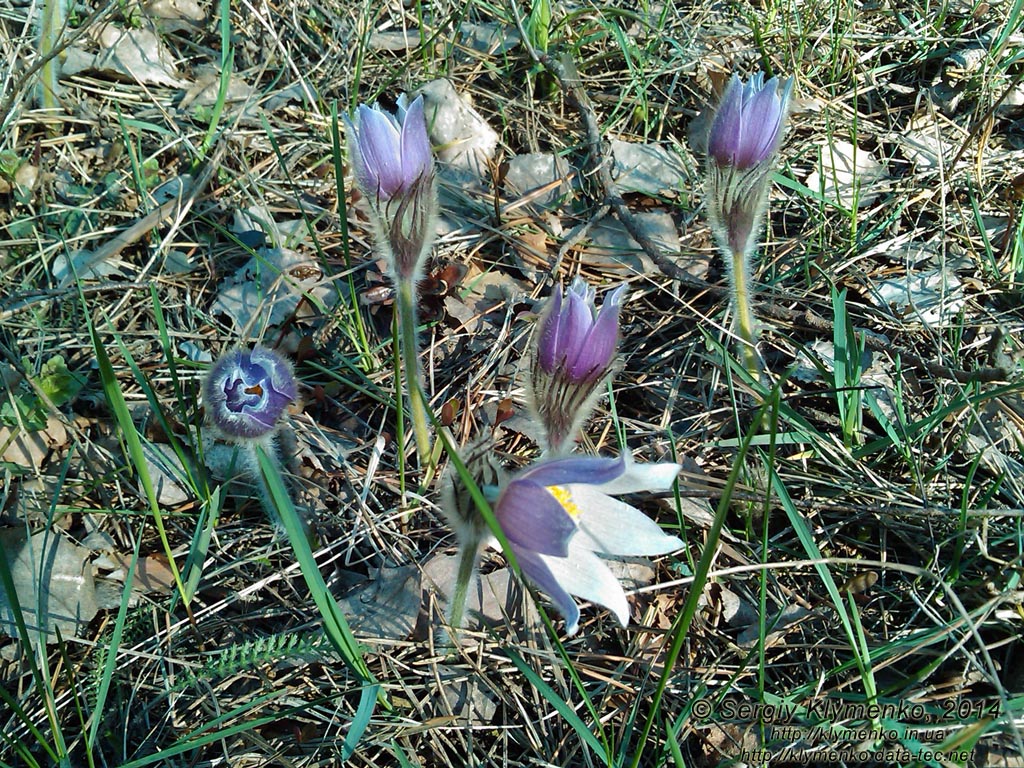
{"x":538,"y":25}
{"x":58,"y":383}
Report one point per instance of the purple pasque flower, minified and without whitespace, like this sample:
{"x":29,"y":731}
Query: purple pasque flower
{"x":575,"y":350}
{"x":394,"y":169}
{"x":392,"y":152}
{"x":559,"y":516}
{"x":748,"y":124}
{"x":745,"y":134}
{"x":575,"y":339}
{"x":246,"y":392}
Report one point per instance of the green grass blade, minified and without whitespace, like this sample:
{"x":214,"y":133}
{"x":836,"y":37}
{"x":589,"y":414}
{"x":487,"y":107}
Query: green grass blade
{"x":227,"y":60}
{"x":115,"y":398}
{"x":361,"y":721}
{"x":681,"y":625}
{"x":110,"y":664}
{"x":335,"y":623}
{"x":803,"y":532}
{"x":562,"y":707}
{"x":208,"y":733}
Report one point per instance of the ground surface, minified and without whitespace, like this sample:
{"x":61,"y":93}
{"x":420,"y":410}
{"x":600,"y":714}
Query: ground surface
{"x":157,"y":211}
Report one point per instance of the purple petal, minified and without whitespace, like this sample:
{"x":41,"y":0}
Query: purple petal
{"x":727,"y":125}
{"x":537,"y":571}
{"x":278,"y":371}
{"x":547,"y":341}
{"x":589,"y":470}
{"x":533,"y":519}
{"x":379,"y":145}
{"x":416,"y":153}
{"x":762,"y":121}
{"x":598,"y":348}
{"x":276,"y":403}
{"x":577,"y":320}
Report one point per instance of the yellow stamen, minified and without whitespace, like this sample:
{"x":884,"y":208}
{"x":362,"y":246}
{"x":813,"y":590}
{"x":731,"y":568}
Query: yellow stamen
{"x":564,"y":497}
{"x":255,"y":389}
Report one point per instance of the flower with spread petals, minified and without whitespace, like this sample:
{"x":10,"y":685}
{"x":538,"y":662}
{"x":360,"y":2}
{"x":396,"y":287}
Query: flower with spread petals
{"x":246,"y":393}
{"x":744,"y":136}
{"x":559,"y":515}
{"x":575,"y":350}
{"x":394,"y":170}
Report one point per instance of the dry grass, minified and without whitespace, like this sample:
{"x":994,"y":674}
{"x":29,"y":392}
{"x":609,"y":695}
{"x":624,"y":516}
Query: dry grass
{"x":913,"y":476}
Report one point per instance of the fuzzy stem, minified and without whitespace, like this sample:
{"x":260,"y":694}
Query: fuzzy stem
{"x":746,"y":328}
{"x":410,"y":363}
{"x":251,"y":462}
{"x":468,"y":557}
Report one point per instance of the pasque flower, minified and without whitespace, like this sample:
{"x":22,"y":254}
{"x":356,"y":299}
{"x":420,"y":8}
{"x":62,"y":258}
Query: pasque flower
{"x":394,"y":169}
{"x":246,"y":392}
{"x":392,"y":151}
{"x":744,"y":137}
{"x":748,"y":125}
{"x":743,"y":140}
{"x":559,"y":515}
{"x":574,"y":351}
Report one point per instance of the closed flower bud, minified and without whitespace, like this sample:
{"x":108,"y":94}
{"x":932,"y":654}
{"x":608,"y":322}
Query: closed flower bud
{"x":394,"y":170}
{"x":575,"y":350}
{"x":246,"y":393}
{"x":749,"y":122}
{"x":392,"y":152}
{"x":745,"y":134}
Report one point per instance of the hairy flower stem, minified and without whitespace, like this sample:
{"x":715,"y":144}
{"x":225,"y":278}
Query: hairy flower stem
{"x":746,"y":328}
{"x":251,"y":463}
{"x":469,"y":555}
{"x":411,"y":364}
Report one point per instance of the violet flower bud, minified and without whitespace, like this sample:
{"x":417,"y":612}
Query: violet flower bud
{"x":575,"y":350}
{"x":392,"y":152}
{"x":744,"y":137}
{"x":394,"y":170}
{"x":559,"y":515}
{"x":749,"y":122}
{"x":246,"y":393}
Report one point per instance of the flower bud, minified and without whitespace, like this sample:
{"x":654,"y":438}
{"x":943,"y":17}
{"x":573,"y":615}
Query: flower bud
{"x":246,"y":393}
{"x":744,"y":136}
{"x":575,"y":350}
{"x":749,"y":122}
{"x":394,"y":170}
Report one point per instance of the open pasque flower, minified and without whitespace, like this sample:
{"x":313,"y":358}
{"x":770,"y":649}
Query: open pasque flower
{"x":559,"y":515}
{"x":744,"y":137}
{"x":574,"y":351}
{"x":394,"y":169}
{"x":247,"y":392}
